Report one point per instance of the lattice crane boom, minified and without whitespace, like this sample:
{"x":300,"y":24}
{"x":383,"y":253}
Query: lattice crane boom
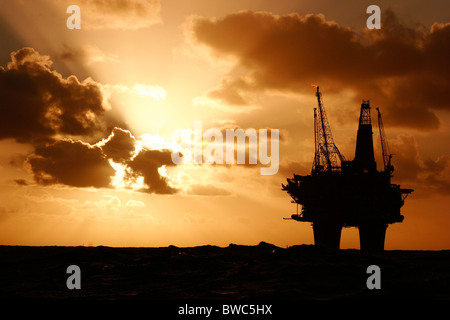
{"x":387,"y":156}
{"x":326,"y":153}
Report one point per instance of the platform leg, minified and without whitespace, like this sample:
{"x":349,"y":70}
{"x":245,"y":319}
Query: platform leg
{"x":327,"y":235}
{"x":372,"y":236}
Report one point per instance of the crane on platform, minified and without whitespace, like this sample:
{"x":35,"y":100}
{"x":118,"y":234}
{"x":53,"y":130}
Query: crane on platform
{"x":387,"y":156}
{"x":326,"y":153}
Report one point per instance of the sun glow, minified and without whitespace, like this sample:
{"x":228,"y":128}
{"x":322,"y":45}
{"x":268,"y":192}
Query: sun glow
{"x":124,"y":179}
{"x":162,"y":171}
{"x":118,"y":180}
{"x":156,"y":92}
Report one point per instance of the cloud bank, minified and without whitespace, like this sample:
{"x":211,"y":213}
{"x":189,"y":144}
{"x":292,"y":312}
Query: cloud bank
{"x":67,"y":121}
{"x":38,"y":103}
{"x":80,"y":164}
{"x":403,"y":69}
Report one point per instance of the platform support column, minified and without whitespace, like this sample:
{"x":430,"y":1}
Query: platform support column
{"x":327,"y":234}
{"x":372,"y":236}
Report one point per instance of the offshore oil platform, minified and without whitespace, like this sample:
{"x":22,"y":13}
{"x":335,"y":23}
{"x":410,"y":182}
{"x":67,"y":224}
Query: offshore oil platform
{"x":340,"y":193}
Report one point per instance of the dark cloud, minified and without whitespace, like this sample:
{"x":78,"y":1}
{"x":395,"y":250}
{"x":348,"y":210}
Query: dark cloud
{"x":21,"y":182}
{"x":39,"y":106}
{"x":121,"y":148}
{"x":79,"y":164}
{"x":120,"y":145}
{"x":38,"y":103}
{"x":401,"y":69}
{"x":427,"y":176}
{"x":71,"y":163}
{"x":146,"y":163}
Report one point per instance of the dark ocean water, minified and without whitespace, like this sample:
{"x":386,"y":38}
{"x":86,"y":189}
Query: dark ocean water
{"x":234,"y":273}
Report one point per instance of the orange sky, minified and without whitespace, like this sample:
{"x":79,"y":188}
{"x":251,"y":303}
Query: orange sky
{"x":152,"y":68}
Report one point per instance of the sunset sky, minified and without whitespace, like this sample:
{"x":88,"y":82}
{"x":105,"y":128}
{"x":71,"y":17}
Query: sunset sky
{"x":89,"y":117}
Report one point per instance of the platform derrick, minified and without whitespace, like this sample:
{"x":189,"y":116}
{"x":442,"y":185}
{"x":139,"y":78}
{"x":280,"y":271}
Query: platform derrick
{"x":340,"y":193}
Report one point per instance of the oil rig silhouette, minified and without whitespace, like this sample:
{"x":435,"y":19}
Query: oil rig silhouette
{"x":340,"y":193}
